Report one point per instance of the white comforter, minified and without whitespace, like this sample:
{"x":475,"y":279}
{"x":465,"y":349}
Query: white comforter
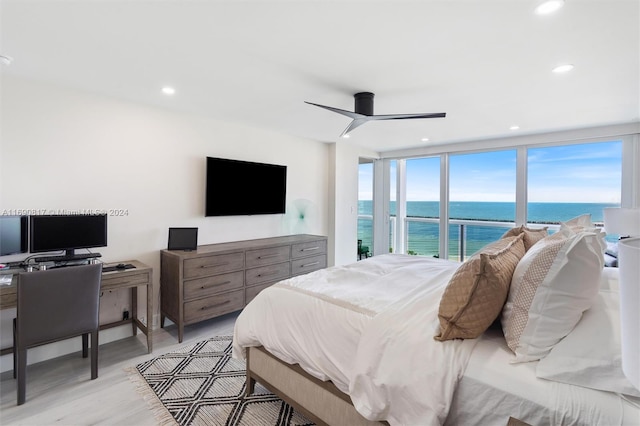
{"x":368,"y":327}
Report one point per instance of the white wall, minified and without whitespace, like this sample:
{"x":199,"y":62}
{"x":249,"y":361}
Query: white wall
{"x":68,"y":150}
{"x":343,"y":215}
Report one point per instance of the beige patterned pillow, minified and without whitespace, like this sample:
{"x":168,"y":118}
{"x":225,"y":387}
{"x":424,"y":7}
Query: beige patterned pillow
{"x":531,"y":235}
{"x":556,"y":280}
{"x":478,"y":289}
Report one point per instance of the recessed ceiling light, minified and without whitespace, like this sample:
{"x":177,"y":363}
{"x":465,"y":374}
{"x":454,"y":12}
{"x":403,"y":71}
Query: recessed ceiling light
{"x":562,"y":68}
{"x":346,"y":136}
{"x":168,"y":90}
{"x":425,"y":139}
{"x":549,"y":6}
{"x":514,"y":127}
{"x":6,"y":60}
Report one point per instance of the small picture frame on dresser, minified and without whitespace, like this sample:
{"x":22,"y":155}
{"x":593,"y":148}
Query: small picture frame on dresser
{"x":183,"y":239}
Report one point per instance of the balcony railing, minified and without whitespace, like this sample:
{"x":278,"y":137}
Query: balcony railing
{"x":465,"y":236}
{"x":422,"y":235}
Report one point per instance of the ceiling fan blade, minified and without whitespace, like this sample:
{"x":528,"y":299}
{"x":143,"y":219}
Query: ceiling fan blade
{"x":364,"y":112}
{"x":353,"y":115}
{"x":406,"y":116}
{"x":355,"y":123}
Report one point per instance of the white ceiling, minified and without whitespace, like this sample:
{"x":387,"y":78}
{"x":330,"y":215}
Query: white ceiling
{"x":486,"y":63}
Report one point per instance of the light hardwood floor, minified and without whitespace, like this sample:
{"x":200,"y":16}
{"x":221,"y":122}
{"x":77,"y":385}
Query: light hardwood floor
{"x":59,"y":391}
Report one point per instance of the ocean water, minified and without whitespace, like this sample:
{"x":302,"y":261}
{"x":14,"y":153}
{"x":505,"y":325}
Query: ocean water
{"x":423,"y":238}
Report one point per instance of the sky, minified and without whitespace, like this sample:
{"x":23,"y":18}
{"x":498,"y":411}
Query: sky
{"x":583,"y":173}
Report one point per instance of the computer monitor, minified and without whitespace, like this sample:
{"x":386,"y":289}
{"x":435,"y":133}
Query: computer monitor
{"x":13,"y":235}
{"x":67,"y":232}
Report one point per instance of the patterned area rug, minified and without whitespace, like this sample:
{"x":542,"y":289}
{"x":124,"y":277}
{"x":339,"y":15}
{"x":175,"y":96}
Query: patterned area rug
{"x":201,"y":384}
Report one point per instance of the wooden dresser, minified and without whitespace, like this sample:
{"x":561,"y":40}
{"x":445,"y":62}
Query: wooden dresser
{"x":220,"y":278}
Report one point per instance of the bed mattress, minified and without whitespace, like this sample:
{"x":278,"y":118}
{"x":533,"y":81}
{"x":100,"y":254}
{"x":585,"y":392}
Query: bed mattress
{"x":493,"y":388}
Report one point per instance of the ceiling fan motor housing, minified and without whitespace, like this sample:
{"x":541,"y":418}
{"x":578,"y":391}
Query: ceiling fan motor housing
{"x":364,"y":103}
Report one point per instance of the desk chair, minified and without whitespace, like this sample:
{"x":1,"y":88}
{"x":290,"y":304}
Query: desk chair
{"x":55,"y":305}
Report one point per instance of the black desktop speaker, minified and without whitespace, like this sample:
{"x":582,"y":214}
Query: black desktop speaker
{"x":183,"y":239}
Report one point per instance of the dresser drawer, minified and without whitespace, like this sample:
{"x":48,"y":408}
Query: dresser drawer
{"x":207,"y":286}
{"x":252,"y":292}
{"x":210,"y":307}
{"x":308,"y":264}
{"x":8,"y":296}
{"x":211,"y":265}
{"x":308,"y":249}
{"x":267,"y":273}
{"x":123,"y":279}
{"x":268,"y":256}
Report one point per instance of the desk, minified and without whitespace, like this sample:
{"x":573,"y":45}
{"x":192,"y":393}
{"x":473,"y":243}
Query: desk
{"x":141,"y":275}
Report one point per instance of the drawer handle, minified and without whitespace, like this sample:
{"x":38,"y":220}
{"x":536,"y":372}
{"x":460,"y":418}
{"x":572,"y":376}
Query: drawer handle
{"x":205,"y":308}
{"x":214,"y":266}
{"x":267,"y":256}
{"x":266,"y":274}
{"x":310,"y":248}
{"x":209,"y":286}
{"x":309,"y":264}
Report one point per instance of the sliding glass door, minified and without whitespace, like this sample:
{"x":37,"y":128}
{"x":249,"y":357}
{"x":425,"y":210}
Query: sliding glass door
{"x":482,"y":200}
{"x":422,"y":206}
{"x":365,"y":205}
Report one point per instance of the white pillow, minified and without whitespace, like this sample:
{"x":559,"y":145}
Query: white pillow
{"x":583,"y":221}
{"x":590,"y":356}
{"x":554,"y":283}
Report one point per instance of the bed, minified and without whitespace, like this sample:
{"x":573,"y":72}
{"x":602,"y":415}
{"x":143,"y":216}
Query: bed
{"x":367,"y":343}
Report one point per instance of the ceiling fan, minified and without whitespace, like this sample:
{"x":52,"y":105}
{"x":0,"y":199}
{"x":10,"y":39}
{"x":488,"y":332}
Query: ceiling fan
{"x":364,"y":112}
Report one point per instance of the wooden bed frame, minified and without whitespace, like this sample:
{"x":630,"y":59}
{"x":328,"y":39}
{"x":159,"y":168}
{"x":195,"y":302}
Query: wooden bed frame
{"x":321,"y":402}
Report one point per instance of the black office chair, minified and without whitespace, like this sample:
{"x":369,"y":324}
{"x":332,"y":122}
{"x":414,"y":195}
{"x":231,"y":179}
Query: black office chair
{"x":55,"y":305}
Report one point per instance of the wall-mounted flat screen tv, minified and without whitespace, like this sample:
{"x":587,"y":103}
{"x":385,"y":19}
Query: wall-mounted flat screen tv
{"x":235,"y":188}
{"x":13,"y":235}
{"x":67,"y":232}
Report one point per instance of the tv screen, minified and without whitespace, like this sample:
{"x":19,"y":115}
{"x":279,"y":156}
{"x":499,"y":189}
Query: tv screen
{"x":236,"y":187}
{"x":67,"y":232}
{"x":13,"y":235}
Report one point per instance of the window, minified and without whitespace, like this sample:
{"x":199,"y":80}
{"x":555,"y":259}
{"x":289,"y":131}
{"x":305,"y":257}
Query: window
{"x":423,"y":206}
{"x":561,"y":181}
{"x":482,"y":191}
{"x":569,"y":180}
{"x":393,"y":223}
{"x":365,"y":203}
